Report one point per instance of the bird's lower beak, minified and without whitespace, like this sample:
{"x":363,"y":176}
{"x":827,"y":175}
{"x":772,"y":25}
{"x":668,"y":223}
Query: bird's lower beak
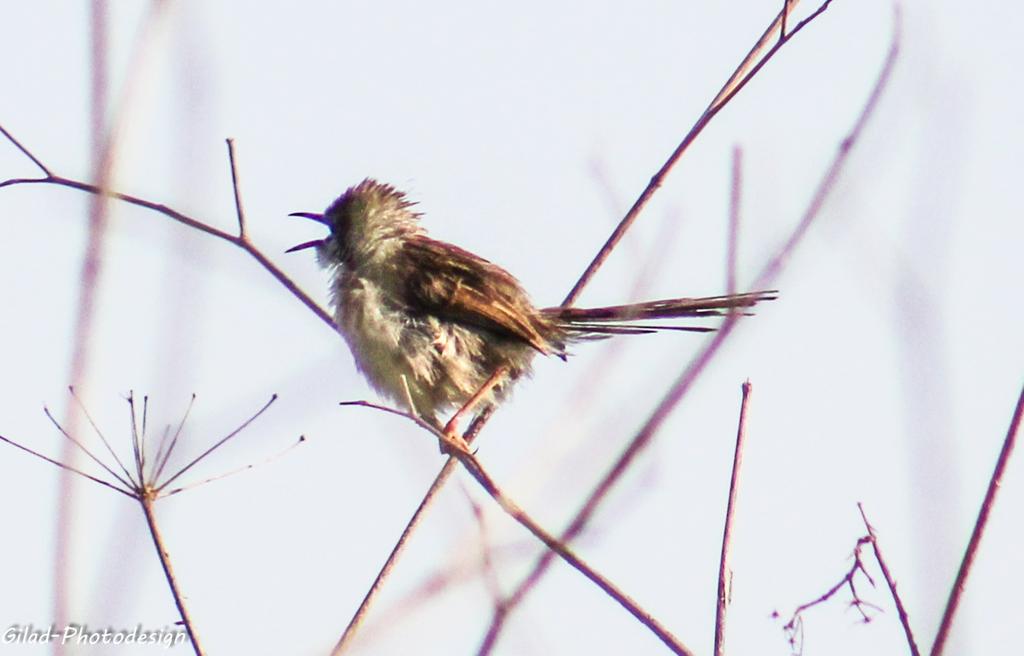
{"x":304,"y":245}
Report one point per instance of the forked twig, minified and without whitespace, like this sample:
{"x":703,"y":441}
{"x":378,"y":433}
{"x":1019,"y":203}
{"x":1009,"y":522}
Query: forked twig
{"x":555,"y":546}
{"x":889,"y":581}
{"x":794,"y":628}
{"x":240,"y":240}
{"x":216,"y":445}
{"x":748,"y":68}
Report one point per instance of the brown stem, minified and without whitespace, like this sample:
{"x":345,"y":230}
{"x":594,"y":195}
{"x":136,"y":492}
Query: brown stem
{"x":146,"y":500}
{"x":356,"y":621}
{"x":739,"y":79}
{"x":979,"y":529}
{"x":900,"y":609}
{"x":724,"y":571}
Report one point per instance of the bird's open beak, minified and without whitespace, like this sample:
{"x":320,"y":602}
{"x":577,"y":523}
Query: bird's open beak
{"x":319,"y":218}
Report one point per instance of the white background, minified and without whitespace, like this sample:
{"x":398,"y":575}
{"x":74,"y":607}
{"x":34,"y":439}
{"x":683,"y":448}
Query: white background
{"x":886,"y":373}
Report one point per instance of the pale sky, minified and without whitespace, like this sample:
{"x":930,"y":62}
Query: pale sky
{"x":886,"y":372}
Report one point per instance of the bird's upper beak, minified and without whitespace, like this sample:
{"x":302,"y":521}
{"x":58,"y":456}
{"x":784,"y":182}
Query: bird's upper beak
{"x":319,"y":218}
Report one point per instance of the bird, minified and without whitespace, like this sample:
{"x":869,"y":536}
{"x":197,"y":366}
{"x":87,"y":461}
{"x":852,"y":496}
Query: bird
{"x":435,"y":328}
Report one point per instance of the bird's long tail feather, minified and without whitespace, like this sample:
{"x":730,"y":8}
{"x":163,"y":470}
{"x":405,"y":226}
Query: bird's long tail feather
{"x":620,"y":319}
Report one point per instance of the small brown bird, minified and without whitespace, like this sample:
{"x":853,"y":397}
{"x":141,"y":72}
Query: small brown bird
{"x":431,"y":324}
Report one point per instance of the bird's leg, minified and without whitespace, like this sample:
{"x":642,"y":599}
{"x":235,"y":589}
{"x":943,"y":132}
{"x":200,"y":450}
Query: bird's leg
{"x":451,"y":429}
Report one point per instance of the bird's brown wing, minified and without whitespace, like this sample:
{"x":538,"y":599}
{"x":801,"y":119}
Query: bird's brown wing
{"x":456,"y":285}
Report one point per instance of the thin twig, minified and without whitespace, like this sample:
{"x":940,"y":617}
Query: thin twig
{"x":67,"y":467}
{"x":724,"y":570}
{"x":195,"y":224}
{"x":86,"y":451}
{"x":146,"y":500}
{"x":216,"y":445}
{"x":235,"y":189}
{"x":794,"y":627}
{"x":900,"y":609}
{"x":26,"y":152}
{"x":512,"y":509}
{"x":136,"y":439}
{"x":357,"y":619}
{"x":979,"y":528}
{"x":557,"y":546}
{"x":106,"y":443}
{"x":160,"y":461}
{"x":239,"y":470}
{"x":743,"y":74}
{"x":359,"y":616}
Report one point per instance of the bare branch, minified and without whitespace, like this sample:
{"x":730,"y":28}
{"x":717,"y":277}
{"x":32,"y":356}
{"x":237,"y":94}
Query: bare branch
{"x":234,"y":187}
{"x":724,"y":571}
{"x":979,"y":528}
{"x":743,"y":74}
{"x":900,"y":609}
{"x":794,"y":627}
{"x":239,"y":470}
{"x":216,"y":445}
{"x":106,"y":443}
{"x":26,"y":152}
{"x":161,"y":458}
{"x":136,"y":440}
{"x":439,"y":481}
{"x":50,"y":460}
{"x":195,"y":224}
{"x":476,"y":470}
{"x":129,"y":483}
{"x":165,"y":562}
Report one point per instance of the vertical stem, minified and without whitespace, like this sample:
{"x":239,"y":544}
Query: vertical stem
{"x":724,"y":573}
{"x":146,"y":500}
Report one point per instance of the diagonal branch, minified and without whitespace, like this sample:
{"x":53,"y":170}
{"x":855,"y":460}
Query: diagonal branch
{"x":748,"y":68}
{"x":555,"y":546}
{"x":241,"y":240}
{"x":994,"y":484}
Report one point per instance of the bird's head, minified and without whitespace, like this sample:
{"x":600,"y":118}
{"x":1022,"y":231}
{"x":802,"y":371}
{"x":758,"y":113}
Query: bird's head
{"x":366,"y":222}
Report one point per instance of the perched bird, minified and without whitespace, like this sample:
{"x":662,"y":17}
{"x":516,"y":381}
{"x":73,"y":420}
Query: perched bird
{"x":431,"y":325}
